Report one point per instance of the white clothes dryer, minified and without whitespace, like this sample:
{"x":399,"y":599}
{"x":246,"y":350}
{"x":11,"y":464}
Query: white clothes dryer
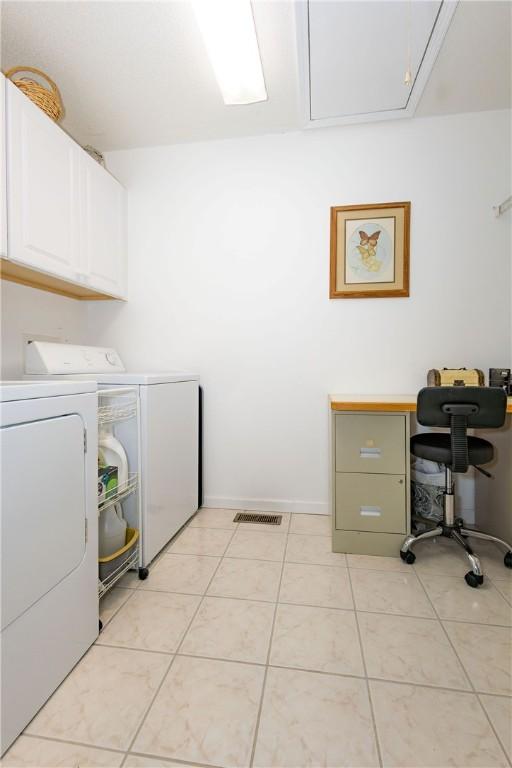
{"x":49,"y":541}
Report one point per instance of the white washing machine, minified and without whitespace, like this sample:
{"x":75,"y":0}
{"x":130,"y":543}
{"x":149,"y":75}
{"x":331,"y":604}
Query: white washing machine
{"x":49,"y":541}
{"x":169,"y":433}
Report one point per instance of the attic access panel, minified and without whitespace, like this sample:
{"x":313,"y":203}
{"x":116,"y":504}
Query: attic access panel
{"x":354,"y":56}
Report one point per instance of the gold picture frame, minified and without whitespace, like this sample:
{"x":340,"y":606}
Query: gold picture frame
{"x":370,"y":250}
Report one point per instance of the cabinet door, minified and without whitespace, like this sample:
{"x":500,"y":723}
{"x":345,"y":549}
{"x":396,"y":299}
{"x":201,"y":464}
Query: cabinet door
{"x":103,"y":258}
{"x":43,"y":210}
{"x":3,"y":172}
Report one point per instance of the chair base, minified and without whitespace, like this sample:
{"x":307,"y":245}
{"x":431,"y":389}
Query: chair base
{"x":453,"y":528}
{"x":459,"y":534}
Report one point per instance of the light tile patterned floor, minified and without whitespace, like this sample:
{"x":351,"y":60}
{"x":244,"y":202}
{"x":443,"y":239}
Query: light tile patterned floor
{"x":259,"y":646}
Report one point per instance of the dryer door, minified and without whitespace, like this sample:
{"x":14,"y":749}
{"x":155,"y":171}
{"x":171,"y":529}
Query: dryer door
{"x":43,"y":509}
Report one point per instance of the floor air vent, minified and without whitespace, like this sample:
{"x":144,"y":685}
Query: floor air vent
{"x":252,"y":517}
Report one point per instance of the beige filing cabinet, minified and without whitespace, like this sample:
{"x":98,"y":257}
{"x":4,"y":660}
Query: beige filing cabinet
{"x":370,"y":481}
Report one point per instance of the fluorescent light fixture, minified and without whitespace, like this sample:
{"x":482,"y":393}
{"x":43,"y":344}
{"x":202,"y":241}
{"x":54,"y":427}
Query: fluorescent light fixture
{"x":228,"y":30}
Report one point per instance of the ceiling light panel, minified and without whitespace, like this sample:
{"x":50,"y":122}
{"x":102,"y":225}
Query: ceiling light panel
{"x":229,"y":34}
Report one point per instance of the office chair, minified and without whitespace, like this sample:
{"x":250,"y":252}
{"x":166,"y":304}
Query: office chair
{"x":458,"y":408}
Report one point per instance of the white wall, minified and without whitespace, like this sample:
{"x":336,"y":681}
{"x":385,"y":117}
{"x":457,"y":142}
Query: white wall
{"x":30,"y":312}
{"x":229,"y":265}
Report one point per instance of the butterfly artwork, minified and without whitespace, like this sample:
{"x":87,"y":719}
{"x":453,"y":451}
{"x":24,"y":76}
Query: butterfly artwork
{"x":368,"y":251}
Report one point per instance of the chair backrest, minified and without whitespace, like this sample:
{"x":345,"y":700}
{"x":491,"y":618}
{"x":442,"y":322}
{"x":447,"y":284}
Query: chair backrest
{"x":460,"y":408}
{"x":435,"y":406}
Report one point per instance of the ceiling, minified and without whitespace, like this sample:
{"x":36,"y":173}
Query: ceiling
{"x":135,"y":73}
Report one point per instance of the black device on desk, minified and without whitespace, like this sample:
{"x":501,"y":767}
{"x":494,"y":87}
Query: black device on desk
{"x":501,"y":377}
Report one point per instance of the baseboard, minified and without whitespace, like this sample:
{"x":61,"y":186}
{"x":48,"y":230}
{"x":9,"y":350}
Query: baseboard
{"x":286,"y":505}
{"x":268,"y":505}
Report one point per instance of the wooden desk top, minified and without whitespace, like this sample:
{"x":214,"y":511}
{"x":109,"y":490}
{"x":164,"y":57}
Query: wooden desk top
{"x":380,"y":403}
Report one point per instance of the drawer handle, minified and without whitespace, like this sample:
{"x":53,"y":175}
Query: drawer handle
{"x":369,"y":453}
{"x":370,"y":511}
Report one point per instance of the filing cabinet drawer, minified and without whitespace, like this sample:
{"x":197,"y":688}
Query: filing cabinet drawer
{"x":371,"y":502}
{"x":372,"y":443}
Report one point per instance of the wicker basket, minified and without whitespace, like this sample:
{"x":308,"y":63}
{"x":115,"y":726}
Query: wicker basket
{"x":47,"y":99}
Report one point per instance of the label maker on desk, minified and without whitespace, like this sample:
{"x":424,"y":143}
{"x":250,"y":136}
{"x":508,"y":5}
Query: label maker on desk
{"x":501,"y":377}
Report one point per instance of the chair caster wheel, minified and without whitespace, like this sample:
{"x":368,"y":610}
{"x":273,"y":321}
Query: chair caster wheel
{"x":143,"y":574}
{"x":100,"y":625}
{"x":473,"y":580}
{"x":508,"y":560}
{"x":408,"y":557}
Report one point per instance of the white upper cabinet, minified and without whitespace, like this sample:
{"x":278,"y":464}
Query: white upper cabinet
{"x":3,"y":175}
{"x":102,"y":233}
{"x":65,"y":212}
{"x":42,"y":190}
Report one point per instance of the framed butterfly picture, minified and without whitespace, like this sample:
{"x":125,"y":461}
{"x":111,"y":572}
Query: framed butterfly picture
{"x":370,"y":251}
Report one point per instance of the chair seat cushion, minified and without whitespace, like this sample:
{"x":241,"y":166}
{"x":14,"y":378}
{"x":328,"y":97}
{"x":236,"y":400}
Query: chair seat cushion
{"x":436,"y":446}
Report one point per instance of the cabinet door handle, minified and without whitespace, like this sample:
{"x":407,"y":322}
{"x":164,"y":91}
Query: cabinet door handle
{"x":370,"y":511}
{"x":369,"y":453}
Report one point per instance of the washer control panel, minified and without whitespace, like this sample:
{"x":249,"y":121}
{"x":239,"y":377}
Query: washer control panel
{"x":43,"y":357}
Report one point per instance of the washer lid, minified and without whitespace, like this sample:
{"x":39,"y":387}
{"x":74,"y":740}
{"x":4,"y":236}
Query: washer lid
{"x":29,"y":390}
{"x":165,"y":377}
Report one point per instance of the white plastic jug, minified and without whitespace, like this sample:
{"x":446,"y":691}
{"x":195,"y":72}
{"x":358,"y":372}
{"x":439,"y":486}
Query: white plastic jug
{"x":111,"y":530}
{"x":112,"y":454}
